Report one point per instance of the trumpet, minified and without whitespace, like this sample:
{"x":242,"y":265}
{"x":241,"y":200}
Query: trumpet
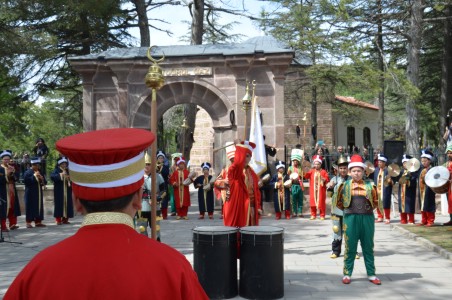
{"x":39,"y":177}
{"x":10,"y":171}
{"x":159,"y":167}
{"x":66,"y":176}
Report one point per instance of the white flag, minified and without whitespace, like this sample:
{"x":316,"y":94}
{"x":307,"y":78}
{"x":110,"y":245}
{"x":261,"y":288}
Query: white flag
{"x":259,"y":159}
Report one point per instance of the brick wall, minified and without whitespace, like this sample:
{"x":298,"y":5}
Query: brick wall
{"x":203,"y":136}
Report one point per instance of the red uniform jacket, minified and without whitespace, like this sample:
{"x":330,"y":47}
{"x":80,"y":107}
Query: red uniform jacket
{"x":448,"y":165}
{"x":317,"y":189}
{"x":237,"y":211}
{"x":181,"y":193}
{"x":107,"y":261}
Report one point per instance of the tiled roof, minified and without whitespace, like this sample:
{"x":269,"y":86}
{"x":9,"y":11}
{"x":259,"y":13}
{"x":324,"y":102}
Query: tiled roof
{"x":353,"y":101}
{"x":262,"y":44}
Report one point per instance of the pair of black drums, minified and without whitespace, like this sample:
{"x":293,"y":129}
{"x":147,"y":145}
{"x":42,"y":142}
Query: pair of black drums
{"x":261,"y":261}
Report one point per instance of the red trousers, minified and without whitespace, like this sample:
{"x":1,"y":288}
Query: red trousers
{"x":182,"y":211}
{"x":428,"y":217}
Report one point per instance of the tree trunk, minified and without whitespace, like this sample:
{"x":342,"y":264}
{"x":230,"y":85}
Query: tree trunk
{"x":414,"y":45}
{"x":313,"y":116}
{"x":143,"y":23}
{"x":197,"y":24}
{"x":446,"y":74}
{"x":190,"y":110}
{"x":381,"y":94}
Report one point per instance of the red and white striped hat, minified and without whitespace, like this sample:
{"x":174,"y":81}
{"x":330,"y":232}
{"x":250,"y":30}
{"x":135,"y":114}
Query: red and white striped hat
{"x":230,"y":150}
{"x":180,"y":160}
{"x":317,"y":158}
{"x":106,"y":164}
{"x":356,"y":161}
{"x":249,"y":146}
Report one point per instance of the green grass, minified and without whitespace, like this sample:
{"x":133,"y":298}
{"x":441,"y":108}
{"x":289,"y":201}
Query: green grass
{"x":438,"y":235}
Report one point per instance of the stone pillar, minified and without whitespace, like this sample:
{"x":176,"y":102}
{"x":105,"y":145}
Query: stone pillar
{"x":87,"y":73}
{"x":122,"y":72}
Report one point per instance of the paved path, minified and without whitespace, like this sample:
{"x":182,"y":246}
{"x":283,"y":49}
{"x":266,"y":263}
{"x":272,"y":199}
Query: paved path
{"x":407,"y":268}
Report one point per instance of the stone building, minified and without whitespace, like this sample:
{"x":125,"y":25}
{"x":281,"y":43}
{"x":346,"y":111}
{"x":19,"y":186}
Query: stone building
{"x":214,"y":78}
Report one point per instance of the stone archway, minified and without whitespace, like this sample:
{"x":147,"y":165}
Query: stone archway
{"x":199,"y":92}
{"x":211,"y":76}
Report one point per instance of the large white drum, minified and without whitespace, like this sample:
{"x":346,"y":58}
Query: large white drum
{"x":437,"y":178}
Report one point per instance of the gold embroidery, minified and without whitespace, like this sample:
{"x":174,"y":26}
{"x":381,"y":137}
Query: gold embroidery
{"x":107,"y":218}
{"x":108,"y":176}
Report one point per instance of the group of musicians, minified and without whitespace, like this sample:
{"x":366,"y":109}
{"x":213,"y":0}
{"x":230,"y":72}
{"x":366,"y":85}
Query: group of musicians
{"x":35,"y":182}
{"x":288,"y":187}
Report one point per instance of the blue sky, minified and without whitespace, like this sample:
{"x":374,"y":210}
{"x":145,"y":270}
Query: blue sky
{"x":175,"y":15}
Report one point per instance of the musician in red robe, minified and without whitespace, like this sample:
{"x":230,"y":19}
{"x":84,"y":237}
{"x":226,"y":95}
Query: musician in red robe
{"x":222,"y":182}
{"x":318,"y":178}
{"x":107,"y":258}
{"x":181,"y":191}
{"x":448,"y":165}
{"x":242,"y":208}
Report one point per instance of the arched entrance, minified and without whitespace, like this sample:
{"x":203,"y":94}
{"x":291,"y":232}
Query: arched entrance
{"x":199,"y":92}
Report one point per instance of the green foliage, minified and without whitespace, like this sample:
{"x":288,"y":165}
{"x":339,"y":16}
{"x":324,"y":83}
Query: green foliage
{"x":172,"y":121}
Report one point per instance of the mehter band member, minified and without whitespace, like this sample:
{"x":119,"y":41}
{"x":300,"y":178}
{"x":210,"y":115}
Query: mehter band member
{"x":384,"y":184}
{"x":108,"y":258}
{"x":358,"y":198}
{"x":9,"y":200}
{"x":244,"y":204}
{"x":337,"y":214}
{"x":62,"y":192}
{"x":318,"y":178}
{"x":281,"y":194}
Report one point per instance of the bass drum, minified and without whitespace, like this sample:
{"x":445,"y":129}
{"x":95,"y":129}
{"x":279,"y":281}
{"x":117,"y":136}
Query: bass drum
{"x":437,"y":178}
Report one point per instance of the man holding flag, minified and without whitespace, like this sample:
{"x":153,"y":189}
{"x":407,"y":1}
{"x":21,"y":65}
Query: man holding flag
{"x":244,"y":204}
{"x":259,"y":158}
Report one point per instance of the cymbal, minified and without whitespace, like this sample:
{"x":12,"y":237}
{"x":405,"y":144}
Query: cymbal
{"x":266,"y":178}
{"x":370,"y":168}
{"x":413,"y":164}
{"x":306,"y":164}
{"x":393,"y":170}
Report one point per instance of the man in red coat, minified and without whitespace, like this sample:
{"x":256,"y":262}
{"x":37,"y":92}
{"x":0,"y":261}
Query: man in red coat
{"x":222,"y":182}
{"x":318,"y":178}
{"x":107,"y":258}
{"x":242,"y":208}
{"x":448,"y":165}
{"x":181,"y":191}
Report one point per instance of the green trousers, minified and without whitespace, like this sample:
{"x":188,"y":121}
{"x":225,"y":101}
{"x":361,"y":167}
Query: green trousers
{"x":171,"y":199}
{"x":297,"y":200}
{"x":359,"y":228}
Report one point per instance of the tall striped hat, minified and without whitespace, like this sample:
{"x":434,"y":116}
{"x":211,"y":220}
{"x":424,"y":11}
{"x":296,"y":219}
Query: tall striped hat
{"x":296,"y":154}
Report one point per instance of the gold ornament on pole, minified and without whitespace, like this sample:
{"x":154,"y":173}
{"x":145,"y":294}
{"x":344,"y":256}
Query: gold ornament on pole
{"x":305,"y":121}
{"x":154,"y":80}
{"x":246,"y":103}
{"x":184,"y":126}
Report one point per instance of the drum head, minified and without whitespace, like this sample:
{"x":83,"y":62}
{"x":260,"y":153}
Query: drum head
{"x":288,"y":183}
{"x":266,"y":178}
{"x":293,"y":176}
{"x":214,"y":230}
{"x":437,"y":176}
{"x":187,"y":181}
{"x":261,"y":230}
